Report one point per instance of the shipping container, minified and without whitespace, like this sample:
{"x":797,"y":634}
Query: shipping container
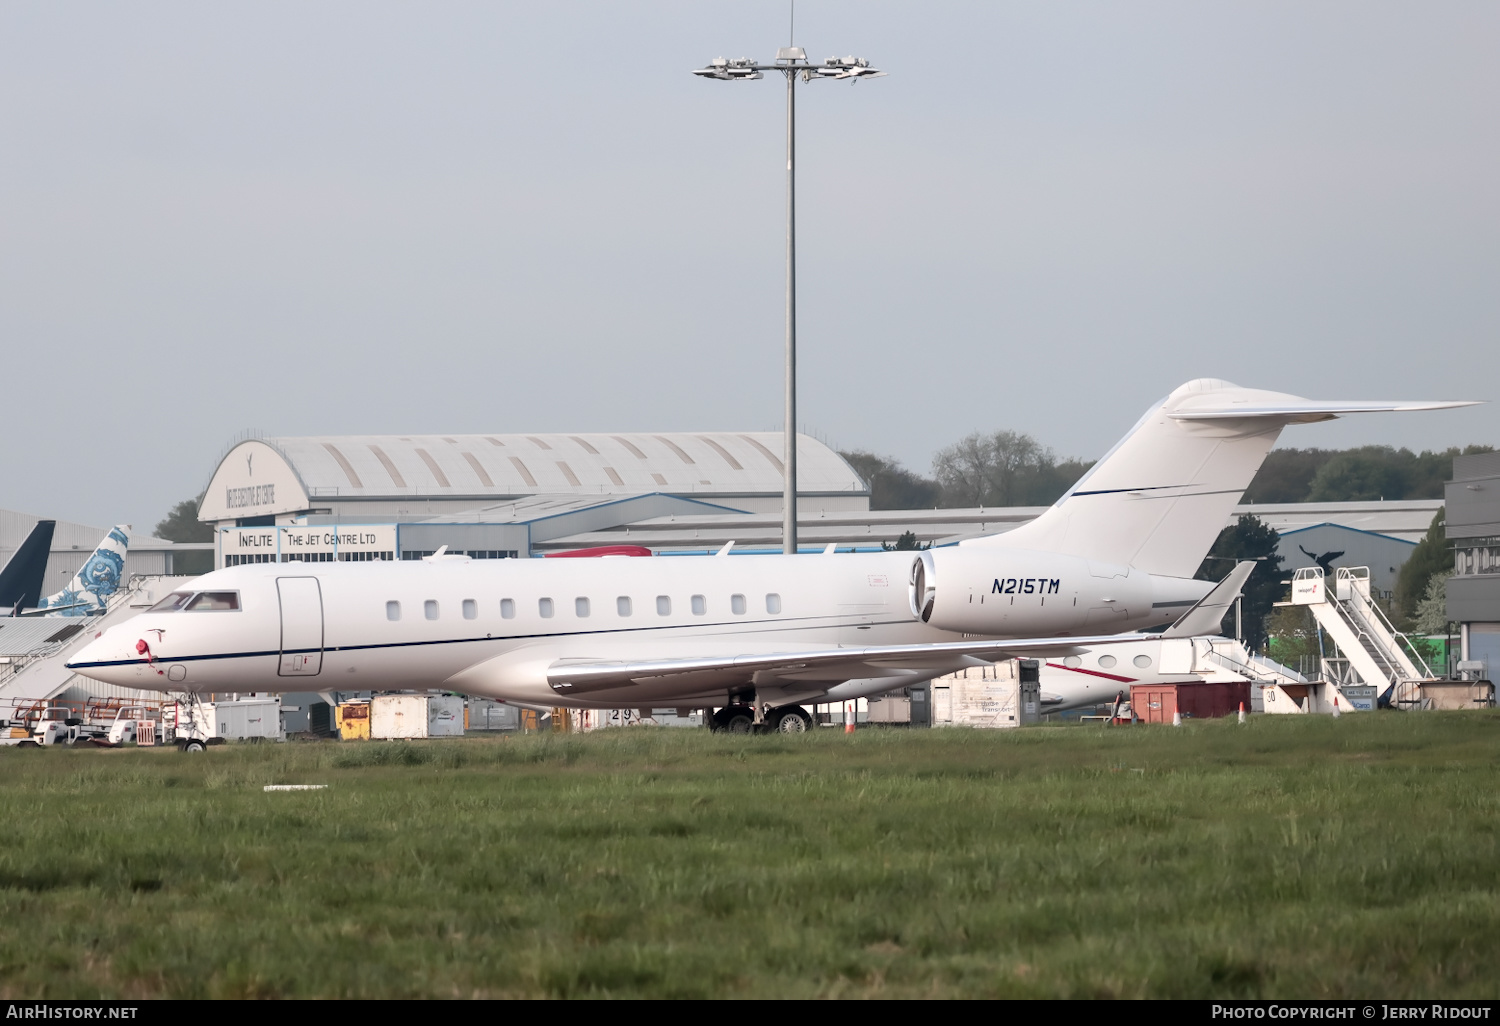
{"x":320,"y":719}
{"x":487,"y":714}
{"x":353,"y":719}
{"x":891,"y":708}
{"x":416,"y":716}
{"x":1158,"y":703}
{"x":1457,"y":694}
{"x":445,"y":716}
{"x":1006,"y":694}
{"x":248,"y":719}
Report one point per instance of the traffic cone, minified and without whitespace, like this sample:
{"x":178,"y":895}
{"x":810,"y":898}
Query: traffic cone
{"x":1176,"y":719}
{"x":1336,"y":713}
{"x":849,"y":714}
{"x":1242,"y":712}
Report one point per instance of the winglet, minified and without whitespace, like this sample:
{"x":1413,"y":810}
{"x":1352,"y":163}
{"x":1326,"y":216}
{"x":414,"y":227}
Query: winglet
{"x":1205,"y":617}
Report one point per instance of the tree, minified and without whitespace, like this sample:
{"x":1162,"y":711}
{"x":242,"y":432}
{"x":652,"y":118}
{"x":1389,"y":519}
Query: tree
{"x":1287,"y":475}
{"x":1431,"y":556}
{"x":892,"y":486}
{"x":1351,"y":475}
{"x":1007,"y":468}
{"x":1432,"y":611}
{"x":1292,"y":638}
{"x":182,"y":524}
{"x":1432,"y":470}
{"x":1248,"y":538}
{"x":906,"y":543}
{"x":1364,"y":474}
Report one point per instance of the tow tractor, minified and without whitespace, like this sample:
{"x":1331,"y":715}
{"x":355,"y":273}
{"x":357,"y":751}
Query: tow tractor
{"x":135,"y":724}
{"x":54,"y":726}
{"x":64,"y":727}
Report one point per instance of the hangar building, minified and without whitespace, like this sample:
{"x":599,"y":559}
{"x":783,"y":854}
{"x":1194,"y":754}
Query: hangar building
{"x":392,"y":497}
{"x":1473,"y":528}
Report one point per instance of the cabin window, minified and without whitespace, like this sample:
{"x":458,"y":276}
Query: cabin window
{"x":622,"y":605}
{"x":737,"y":605}
{"x":773,"y":603}
{"x":508,"y":608}
{"x":544,"y":606}
{"x":1106,"y":661}
{"x":215,"y":601}
{"x":172,"y":603}
{"x":1142,"y":661}
{"x":471,"y":609}
{"x":663,"y":605}
{"x":393,"y":610}
{"x":700,"y":605}
{"x":430,"y":609}
{"x":581,"y":606}
{"x":1072,"y":662}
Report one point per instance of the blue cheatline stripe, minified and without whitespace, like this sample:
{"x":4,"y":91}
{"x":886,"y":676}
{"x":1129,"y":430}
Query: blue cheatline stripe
{"x":1184,"y":495}
{"x":1145,"y":488}
{"x":462,"y":641}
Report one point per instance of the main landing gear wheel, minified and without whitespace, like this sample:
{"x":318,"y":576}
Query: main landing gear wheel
{"x":192,"y":746}
{"x":735,"y":719}
{"x":792,"y":720}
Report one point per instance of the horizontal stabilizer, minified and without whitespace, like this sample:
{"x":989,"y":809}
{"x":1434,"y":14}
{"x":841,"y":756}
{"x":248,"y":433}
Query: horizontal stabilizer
{"x":1208,"y":614}
{"x":1307,"y":411}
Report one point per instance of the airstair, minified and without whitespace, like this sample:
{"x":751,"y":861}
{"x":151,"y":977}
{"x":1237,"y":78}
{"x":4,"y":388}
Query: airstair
{"x":34,"y":674}
{"x":1231,"y":655}
{"x":1374,"y":652}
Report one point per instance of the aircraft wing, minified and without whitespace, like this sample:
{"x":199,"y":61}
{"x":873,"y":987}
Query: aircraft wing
{"x":828,"y":666}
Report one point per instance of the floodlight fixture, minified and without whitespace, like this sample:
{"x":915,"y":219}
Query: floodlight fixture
{"x":792,"y":62}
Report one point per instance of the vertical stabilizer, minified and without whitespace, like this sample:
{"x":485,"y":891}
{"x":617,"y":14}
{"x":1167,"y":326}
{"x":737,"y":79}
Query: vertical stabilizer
{"x":1159,"y":498}
{"x":87,"y":594}
{"x":21,"y":580}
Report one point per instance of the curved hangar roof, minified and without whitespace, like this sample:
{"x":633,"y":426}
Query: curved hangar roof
{"x":288,"y":475}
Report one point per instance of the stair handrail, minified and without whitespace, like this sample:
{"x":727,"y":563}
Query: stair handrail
{"x":1246,"y":669}
{"x":1384,"y":621}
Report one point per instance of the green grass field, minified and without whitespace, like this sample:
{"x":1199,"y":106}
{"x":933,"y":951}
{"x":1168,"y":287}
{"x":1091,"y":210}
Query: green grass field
{"x":1291,"y":857}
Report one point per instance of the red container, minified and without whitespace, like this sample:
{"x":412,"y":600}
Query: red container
{"x":1156,"y":703}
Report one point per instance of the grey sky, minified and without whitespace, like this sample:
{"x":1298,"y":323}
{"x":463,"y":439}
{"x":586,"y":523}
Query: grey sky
{"x":314,"y":218}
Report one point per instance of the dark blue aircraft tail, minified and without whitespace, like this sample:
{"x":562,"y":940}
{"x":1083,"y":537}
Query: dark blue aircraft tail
{"x":21,"y":580}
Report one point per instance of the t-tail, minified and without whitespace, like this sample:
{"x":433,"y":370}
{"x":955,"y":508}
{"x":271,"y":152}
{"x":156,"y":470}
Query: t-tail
{"x":88,"y":593}
{"x":1159,"y":498}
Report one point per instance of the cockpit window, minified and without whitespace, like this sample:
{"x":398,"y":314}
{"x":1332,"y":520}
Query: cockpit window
{"x":214,"y":601}
{"x":172,"y":602}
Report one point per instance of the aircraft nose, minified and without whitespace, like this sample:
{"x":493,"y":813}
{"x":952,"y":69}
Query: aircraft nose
{"x":100,"y":650}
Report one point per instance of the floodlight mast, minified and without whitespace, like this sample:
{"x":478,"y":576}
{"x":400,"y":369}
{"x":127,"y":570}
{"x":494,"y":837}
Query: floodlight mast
{"x":792,"y":62}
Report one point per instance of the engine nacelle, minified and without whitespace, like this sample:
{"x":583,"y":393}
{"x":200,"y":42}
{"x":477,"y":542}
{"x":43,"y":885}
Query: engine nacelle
{"x":1021,"y":593}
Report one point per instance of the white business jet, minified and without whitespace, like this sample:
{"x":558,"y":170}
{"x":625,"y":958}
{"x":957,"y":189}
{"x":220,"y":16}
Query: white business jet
{"x":754,"y":636}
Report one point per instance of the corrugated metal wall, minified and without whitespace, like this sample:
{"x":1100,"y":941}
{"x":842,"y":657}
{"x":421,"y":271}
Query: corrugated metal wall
{"x":72,"y":544}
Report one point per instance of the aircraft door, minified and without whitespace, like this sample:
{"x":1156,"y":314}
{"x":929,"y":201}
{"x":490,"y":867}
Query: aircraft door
{"x":301,"y":626}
